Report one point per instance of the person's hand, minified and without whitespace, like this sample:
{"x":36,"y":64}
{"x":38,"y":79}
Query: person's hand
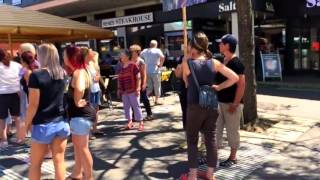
{"x":233,"y":107}
{"x":144,"y":86}
{"x":138,"y":92}
{"x":96,"y":78}
{"x":216,"y":87}
{"x":82,"y":103}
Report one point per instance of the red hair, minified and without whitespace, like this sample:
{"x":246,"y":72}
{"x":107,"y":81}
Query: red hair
{"x":75,"y":57}
{"x":28,"y":58}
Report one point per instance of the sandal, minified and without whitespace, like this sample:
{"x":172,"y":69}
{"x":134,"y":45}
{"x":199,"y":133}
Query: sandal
{"x":129,"y":126}
{"x":148,"y":118}
{"x":141,"y":127}
{"x":203,"y":175}
{"x":98,"y":133}
{"x":228,"y":163}
{"x":71,"y":178}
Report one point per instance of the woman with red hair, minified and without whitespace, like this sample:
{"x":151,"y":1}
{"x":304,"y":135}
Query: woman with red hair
{"x":81,"y":112}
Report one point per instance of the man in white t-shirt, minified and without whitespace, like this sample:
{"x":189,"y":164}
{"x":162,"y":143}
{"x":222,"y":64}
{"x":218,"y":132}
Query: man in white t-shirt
{"x":154,"y":60}
{"x":9,"y":93}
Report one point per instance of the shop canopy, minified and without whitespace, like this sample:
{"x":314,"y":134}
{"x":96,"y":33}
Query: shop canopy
{"x":22,"y":25}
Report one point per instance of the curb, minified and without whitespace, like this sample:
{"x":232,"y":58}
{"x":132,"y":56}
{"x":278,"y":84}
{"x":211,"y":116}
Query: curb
{"x":290,"y":86}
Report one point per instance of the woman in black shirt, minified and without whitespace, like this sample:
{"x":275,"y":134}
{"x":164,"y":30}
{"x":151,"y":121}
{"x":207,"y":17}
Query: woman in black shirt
{"x":46,"y":113}
{"x":80,"y":111}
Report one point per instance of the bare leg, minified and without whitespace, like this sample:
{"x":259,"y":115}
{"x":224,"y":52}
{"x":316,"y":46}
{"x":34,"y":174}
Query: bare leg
{"x":58,"y":147}
{"x":3,"y":130}
{"x":82,"y":144}
{"x":37,"y":153}
{"x":77,"y":168}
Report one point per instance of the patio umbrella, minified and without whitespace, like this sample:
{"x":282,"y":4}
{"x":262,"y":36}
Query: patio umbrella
{"x":22,"y":25}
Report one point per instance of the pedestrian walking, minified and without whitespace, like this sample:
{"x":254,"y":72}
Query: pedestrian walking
{"x":135,"y":51}
{"x":9,"y":95}
{"x":80,"y":111}
{"x":129,"y":86}
{"x":91,"y":58}
{"x":199,"y":69}
{"x":230,"y":99}
{"x":154,"y":60}
{"x":46,"y":114}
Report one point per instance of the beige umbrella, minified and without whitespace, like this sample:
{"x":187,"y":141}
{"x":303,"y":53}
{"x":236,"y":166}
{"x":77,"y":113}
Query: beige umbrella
{"x":22,"y":25}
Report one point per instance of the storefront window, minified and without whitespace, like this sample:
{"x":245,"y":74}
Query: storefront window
{"x":302,"y":49}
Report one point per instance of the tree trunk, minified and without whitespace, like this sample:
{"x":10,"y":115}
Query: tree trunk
{"x":246,"y":49}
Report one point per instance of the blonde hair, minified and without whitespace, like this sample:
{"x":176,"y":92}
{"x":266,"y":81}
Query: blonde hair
{"x":24,"y":47}
{"x":135,"y":47}
{"x":96,"y":61}
{"x":153,"y":44}
{"x":49,"y":58}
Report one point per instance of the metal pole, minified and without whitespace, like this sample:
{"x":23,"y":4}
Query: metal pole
{"x":10,"y":45}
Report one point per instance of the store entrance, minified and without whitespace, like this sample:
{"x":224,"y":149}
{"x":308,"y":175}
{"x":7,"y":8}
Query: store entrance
{"x":306,"y":53}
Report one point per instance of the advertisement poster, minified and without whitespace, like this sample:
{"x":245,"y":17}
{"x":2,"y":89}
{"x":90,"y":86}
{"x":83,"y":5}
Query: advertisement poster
{"x":169,"y":5}
{"x":271,"y":65}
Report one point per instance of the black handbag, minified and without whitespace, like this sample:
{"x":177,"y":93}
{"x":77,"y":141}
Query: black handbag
{"x":207,"y":96}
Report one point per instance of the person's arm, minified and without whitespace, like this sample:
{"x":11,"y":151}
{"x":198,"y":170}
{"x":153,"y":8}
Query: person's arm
{"x":26,"y":76}
{"x":162,"y":58}
{"x":34,"y":98}
{"x":178,"y":71}
{"x":231,"y":76}
{"x":144,"y":76}
{"x":241,"y":84}
{"x":138,"y":77}
{"x":185,"y":70}
{"x":79,"y":85}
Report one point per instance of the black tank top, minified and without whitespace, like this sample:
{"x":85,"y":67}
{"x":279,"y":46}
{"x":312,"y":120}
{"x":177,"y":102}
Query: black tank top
{"x":205,"y":76}
{"x":87,"y":111}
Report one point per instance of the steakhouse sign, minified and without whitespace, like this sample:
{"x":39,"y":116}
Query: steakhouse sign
{"x":128,"y":20}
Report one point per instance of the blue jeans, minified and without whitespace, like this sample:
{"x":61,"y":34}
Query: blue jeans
{"x":95,"y":99}
{"x":46,"y":133}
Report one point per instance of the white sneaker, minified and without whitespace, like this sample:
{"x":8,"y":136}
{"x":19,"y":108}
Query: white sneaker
{"x":4,"y":145}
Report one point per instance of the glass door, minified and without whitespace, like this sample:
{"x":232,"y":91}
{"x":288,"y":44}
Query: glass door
{"x":302,"y":44}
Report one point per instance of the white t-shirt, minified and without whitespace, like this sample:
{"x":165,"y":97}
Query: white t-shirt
{"x":9,"y":78}
{"x":152,"y":57}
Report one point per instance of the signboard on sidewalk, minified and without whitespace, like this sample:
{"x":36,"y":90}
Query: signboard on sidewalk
{"x":169,"y":5}
{"x":271,"y":65}
{"x":128,"y":20}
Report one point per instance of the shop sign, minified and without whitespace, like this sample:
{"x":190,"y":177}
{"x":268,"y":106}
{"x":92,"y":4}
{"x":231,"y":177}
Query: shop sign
{"x":271,"y":65}
{"x":169,"y":5}
{"x":312,"y":3}
{"x":128,"y":20}
{"x":227,"y":6}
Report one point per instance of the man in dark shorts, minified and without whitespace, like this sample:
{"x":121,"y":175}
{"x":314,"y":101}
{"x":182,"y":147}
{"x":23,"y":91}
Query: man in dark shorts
{"x":9,"y":94}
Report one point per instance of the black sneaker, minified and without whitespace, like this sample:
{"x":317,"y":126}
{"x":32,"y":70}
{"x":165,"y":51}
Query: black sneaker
{"x":228,"y":163}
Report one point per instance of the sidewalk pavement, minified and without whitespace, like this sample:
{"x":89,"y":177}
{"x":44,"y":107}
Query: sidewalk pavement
{"x":155,"y":153}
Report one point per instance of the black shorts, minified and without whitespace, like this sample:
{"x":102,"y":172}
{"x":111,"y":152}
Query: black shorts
{"x":9,"y":103}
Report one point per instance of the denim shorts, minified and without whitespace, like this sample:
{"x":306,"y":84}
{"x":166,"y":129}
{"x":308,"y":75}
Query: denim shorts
{"x":46,"y":133}
{"x":95,"y":99}
{"x":80,"y":126}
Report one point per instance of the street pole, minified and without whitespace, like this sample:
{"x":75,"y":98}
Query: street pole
{"x":185,"y":34}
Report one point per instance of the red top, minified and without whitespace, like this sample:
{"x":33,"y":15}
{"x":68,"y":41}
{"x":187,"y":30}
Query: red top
{"x":127,"y":78}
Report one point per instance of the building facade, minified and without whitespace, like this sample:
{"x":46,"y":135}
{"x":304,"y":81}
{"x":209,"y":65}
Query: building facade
{"x":288,"y":27}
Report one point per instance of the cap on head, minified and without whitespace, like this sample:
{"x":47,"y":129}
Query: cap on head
{"x":229,"y":39}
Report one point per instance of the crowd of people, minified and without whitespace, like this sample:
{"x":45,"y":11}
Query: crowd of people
{"x":52,"y":101}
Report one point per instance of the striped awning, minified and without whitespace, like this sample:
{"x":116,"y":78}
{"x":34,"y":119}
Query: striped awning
{"x":26,"y":25}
